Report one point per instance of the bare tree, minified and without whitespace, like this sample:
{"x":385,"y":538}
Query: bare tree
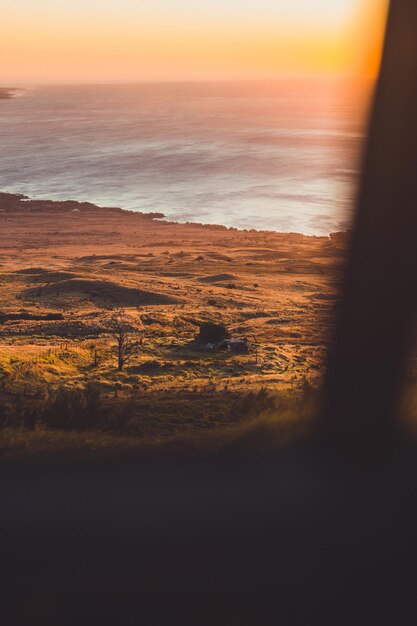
{"x":126,"y":336}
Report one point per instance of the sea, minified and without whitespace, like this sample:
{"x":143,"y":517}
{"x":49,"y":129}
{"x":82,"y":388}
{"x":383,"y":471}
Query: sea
{"x":272,"y":155}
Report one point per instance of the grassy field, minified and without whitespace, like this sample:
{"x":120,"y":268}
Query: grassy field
{"x":67,"y":268}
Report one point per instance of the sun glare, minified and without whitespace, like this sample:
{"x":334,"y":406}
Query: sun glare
{"x":124,"y":42}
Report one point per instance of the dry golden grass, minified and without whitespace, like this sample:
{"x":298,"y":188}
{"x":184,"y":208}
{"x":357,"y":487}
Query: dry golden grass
{"x":74,"y":268}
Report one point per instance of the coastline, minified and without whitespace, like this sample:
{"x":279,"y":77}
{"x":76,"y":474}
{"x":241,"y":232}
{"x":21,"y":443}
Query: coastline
{"x":11,"y":201}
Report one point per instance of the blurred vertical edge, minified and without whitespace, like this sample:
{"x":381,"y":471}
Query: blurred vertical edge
{"x":373,"y":336}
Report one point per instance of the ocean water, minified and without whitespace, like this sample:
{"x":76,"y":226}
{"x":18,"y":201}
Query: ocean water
{"x":267,"y":155}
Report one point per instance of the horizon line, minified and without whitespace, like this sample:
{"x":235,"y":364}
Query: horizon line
{"x":189,"y":81}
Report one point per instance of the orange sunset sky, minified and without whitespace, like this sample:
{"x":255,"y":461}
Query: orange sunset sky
{"x":65,"y":41}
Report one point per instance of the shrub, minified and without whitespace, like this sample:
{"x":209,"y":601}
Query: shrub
{"x":251,"y":405}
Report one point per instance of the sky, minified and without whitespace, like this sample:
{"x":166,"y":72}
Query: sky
{"x":66,"y":41}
